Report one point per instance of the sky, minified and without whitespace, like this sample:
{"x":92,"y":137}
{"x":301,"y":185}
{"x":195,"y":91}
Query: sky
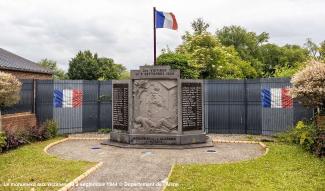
{"x":122,"y":29}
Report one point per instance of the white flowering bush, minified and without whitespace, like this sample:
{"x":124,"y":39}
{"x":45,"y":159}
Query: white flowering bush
{"x":309,"y":85}
{"x":9,"y":90}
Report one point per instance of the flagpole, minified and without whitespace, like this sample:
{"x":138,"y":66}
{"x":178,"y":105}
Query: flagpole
{"x":154,"y":36}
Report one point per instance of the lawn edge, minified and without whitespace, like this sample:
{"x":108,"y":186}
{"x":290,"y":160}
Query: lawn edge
{"x":168,"y":177}
{"x":225,"y":141}
{"x":75,"y":181}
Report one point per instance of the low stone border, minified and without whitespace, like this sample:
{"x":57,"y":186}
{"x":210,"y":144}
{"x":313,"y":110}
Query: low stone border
{"x":83,"y":175}
{"x":169,"y":174}
{"x":245,"y":142}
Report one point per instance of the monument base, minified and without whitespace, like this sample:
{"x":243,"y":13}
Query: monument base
{"x":158,"y":139}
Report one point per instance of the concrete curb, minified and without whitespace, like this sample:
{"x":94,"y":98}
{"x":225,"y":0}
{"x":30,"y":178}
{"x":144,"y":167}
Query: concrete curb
{"x":245,"y":142}
{"x":169,"y":174}
{"x":52,"y":144}
{"x":83,"y":175}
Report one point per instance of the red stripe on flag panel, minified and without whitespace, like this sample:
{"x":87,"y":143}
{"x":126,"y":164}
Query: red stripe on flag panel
{"x":286,"y":98}
{"x":76,"y":98}
{"x":175,"y":25}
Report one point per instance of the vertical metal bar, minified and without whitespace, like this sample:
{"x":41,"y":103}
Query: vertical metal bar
{"x":246,"y":103}
{"x":98,"y":105}
{"x":154,"y":36}
{"x":33,"y":96}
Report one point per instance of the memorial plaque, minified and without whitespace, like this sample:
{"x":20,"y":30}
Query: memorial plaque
{"x":120,"y":107}
{"x":191,"y":106}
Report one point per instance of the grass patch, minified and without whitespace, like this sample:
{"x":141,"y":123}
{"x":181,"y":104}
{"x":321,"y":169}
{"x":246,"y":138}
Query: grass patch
{"x":29,"y":164}
{"x":285,"y":167}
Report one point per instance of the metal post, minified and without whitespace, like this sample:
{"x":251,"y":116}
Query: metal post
{"x":98,"y":105}
{"x":246,"y":104}
{"x":154,"y":36}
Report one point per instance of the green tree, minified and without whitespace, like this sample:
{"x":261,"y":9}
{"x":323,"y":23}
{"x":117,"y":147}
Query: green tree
{"x":109,"y":70}
{"x":213,"y":60}
{"x":58,"y":74}
{"x":88,"y":66}
{"x":178,"y":61}
{"x":199,"y":26}
{"x":276,"y":58}
{"x":247,"y":44}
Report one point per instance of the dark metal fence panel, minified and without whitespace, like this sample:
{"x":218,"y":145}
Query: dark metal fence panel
{"x":26,"y":101}
{"x":69,"y":119}
{"x":276,"y":120}
{"x":44,"y":100}
{"x":90,"y":106}
{"x":225,"y":108}
{"x":105,"y":104}
{"x":253,"y":111}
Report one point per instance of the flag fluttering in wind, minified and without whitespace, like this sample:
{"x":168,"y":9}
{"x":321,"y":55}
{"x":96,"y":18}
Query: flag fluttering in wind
{"x":166,"y":20}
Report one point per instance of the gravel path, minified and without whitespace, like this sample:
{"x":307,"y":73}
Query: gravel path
{"x":139,"y":169}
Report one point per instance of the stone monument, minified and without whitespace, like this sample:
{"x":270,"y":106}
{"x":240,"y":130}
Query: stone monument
{"x":156,"y":107}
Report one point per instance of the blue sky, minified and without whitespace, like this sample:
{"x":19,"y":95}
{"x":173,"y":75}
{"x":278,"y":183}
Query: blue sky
{"x":122,"y":29}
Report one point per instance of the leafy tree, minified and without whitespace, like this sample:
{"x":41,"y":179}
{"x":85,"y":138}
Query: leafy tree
{"x":277,"y":59}
{"x":288,"y":71}
{"x":208,"y":56}
{"x":178,"y":61}
{"x":199,"y":26}
{"x":109,"y":70}
{"x":9,"y":91}
{"x":247,"y":44}
{"x":58,"y":74}
{"x":125,"y":75}
{"x":87,"y":66}
{"x":84,"y":66}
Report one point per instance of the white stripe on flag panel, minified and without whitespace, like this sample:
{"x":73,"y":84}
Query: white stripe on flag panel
{"x":67,"y":98}
{"x":276,"y":101}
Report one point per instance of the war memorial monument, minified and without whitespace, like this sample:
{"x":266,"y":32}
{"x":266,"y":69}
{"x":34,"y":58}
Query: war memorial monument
{"x":156,"y":107}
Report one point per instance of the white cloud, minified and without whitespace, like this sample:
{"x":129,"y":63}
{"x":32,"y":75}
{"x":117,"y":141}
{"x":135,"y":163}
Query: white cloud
{"x":122,"y":29}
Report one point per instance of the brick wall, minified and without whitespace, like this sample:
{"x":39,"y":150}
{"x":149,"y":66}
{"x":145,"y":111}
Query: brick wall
{"x":28,"y":75}
{"x":18,"y":120}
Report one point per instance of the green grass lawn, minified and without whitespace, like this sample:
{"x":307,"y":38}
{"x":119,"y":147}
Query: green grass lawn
{"x":29,"y":164}
{"x":285,"y":167}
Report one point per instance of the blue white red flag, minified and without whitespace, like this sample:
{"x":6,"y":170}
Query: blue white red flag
{"x":166,"y":20}
{"x":67,"y":98}
{"x":276,"y":98}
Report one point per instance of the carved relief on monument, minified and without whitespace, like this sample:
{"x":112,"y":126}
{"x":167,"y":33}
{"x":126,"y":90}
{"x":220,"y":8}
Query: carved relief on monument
{"x":155,"y":106}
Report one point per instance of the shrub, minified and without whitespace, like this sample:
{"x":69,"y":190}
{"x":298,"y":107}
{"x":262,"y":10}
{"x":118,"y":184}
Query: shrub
{"x":303,"y":134}
{"x":308,"y":85}
{"x":51,"y":127}
{"x":104,"y":130}
{"x":16,"y":137}
{"x":3,"y":141}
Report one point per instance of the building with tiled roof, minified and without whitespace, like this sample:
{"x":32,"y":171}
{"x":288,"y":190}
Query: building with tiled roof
{"x":21,"y":67}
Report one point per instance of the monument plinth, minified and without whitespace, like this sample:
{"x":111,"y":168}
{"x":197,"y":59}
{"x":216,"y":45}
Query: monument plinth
{"x":156,"y":107}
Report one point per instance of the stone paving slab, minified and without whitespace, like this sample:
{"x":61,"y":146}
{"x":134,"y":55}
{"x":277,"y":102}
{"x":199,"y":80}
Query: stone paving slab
{"x":125,"y":166}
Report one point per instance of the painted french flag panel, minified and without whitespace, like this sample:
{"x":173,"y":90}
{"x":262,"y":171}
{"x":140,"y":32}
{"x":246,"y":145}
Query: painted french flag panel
{"x":166,"y":20}
{"x":67,"y":98}
{"x":276,"y":98}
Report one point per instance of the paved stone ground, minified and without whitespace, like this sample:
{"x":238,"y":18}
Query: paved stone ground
{"x":140,"y":166}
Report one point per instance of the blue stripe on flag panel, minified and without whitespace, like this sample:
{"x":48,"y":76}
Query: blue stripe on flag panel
{"x":266,"y":97}
{"x":160,"y":19}
{"x":57,"y":98}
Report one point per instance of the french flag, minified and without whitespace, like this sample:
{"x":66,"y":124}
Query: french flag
{"x":276,"y":98}
{"x":166,"y":20}
{"x":67,"y":98}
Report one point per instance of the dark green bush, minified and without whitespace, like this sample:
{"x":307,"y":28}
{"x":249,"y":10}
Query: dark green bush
{"x":3,"y":141}
{"x":51,"y":127}
{"x":104,"y":130}
{"x":304,"y":134}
